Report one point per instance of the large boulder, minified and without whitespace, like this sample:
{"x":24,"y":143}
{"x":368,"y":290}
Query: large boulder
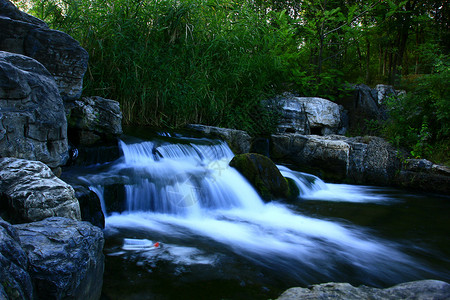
{"x":264,"y":176}
{"x":32,"y":118}
{"x":15,"y":282}
{"x":306,"y":115}
{"x":93,"y":119}
{"x":65,"y":258}
{"x":63,"y":57}
{"x":420,"y":290}
{"x":365,"y":160}
{"x":238,"y":140}
{"x":324,"y":156}
{"x":29,"y":191}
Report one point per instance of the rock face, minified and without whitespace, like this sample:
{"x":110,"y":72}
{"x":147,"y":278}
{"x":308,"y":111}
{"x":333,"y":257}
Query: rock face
{"x":366,"y":103}
{"x":63,"y":57}
{"x":306,"y":115}
{"x":32,"y":118}
{"x":65,"y":258}
{"x":238,"y":140}
{"x":90,"y":206}
{"x":29,"y":191}
{"x":360,"y":160}
{"x":420,"y":290}
{"x":424,"y":175}
{"x":263,"y":174}
{"x":93,"y":119}
{"x":15,"y":282}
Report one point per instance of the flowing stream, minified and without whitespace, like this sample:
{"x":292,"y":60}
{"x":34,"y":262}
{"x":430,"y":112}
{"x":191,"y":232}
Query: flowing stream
{"x":186,"y":225}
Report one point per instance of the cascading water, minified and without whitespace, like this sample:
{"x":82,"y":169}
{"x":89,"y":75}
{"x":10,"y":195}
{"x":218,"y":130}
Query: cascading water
{"x":206,"y":215}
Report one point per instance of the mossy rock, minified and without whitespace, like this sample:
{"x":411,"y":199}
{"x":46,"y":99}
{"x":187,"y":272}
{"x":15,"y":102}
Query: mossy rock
{"x":265,"y":177}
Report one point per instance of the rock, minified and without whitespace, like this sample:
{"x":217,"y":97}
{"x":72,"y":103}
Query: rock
{"x":32,"y":119}
{"x":264,"y":175}
{"x":324,"y":156}
{"x":93,"y":119}
{"x":293,"y":117}
{"x":363,"y":160}
{"x":421,"y":174}
{"x":306,"y":115}
{"x":15,"y":282}
{"x":65,"y":258}
{"x":90,"y":206}
{"x":238,"y":140}
{"x":373,"y":160}
{"x":31,"y":192}
{"x":9,"y":10}
{"x":63,"y":57}
{"x":425,"y":289}
{"x":384,"y":91}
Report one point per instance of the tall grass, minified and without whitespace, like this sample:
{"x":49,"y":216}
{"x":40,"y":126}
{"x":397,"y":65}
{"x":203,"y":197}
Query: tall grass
{"x":174,"y":62}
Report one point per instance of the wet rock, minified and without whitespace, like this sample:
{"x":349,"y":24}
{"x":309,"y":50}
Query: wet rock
{"x":324,"y":156}
{"x":420,"y":290}
{"x":63,"y":57}
{"x":364,"y":160}
{"x":31,"y":192}
{"x":264,"y":175}
{"x":32,"y":118}
{"x":239,"y":141}
{"x":94,"y":119}
{"x":15,"y":282}
{"x":65,"y":258}
{"x":90,"y":206}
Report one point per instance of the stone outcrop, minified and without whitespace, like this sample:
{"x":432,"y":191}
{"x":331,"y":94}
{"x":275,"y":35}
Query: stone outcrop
{"x":238,"y":140}
{"x":61,"y":55}
{"x":90,"y":206}
{"x":418,"y":290}
{"x":369,"y":160}
{"x":421,"y":174}
{"x":32,"y":118}
{"x":15,"y":282}
{"x":29,"y":191}
{"x":264,"y":175}
{"x":65,"y":258}
{"x":306,"y":115}
{"x":93,"y":119}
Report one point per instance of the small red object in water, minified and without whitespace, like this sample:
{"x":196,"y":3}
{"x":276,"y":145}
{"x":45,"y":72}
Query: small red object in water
{"x":156,"y":245}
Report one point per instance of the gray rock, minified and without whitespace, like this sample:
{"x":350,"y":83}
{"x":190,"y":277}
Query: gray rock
{"x":90,"y":206}
{"x":9,"y":10}
{"x":421,"y":174}
{"x":15,"y":282}
{"x":65,"y":258}
{"x":368,"y":160}
{"x":323,"y":155}
{"x":63,"y":57}
{"x":418,"y":290}
{"x":32,"y":192}
{"x":32,"y":118}
{"x":238,"y":140}
{"x":305,"y":115}
{"x":94,"y":118}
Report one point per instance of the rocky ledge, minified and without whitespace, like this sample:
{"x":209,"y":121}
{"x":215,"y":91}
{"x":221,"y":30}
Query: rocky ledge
{"x":417,"y":290}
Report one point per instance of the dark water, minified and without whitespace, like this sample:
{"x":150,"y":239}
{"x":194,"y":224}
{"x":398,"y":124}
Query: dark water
{"x":218,"y":240}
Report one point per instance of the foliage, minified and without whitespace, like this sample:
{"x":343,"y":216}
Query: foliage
{"x":420,"y":120}
{"x":175,"y":62}
{"x":172,"y":62}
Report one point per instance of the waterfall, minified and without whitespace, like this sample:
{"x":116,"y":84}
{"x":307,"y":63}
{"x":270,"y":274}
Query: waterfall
{"x":185,"y":195}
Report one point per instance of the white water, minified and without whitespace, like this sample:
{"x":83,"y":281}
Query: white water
{"x":178,"y":193}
